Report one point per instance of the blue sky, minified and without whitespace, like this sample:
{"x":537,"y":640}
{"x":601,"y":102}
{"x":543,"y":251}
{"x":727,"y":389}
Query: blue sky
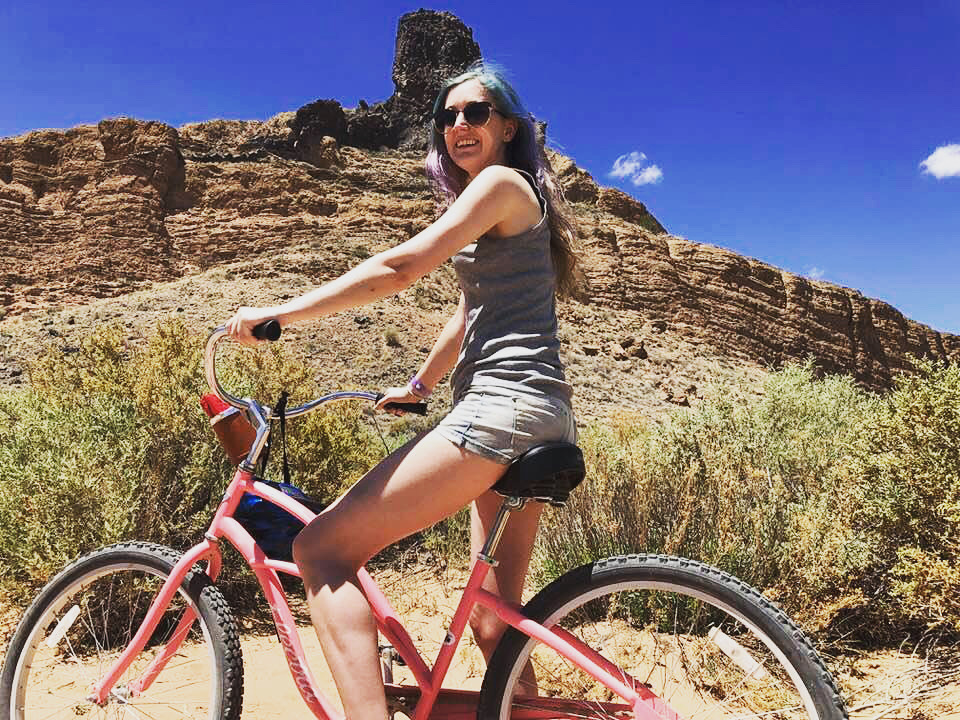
{"x":792,"y":132}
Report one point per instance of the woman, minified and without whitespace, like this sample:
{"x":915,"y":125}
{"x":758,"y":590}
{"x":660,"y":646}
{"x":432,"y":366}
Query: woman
{"x":511,"y":246}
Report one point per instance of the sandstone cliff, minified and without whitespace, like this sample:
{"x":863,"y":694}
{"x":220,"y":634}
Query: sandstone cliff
{"x":99,"y":211}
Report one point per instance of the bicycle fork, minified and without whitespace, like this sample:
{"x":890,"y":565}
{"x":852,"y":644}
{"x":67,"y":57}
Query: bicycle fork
{"x":102,"y":690}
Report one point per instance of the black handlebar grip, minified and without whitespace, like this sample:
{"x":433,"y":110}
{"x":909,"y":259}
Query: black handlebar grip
{"x":415,"y":408}
{"x":268,"y":330}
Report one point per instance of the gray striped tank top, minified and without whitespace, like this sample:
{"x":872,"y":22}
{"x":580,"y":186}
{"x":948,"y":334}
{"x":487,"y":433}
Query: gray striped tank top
{"x":510,"y":344}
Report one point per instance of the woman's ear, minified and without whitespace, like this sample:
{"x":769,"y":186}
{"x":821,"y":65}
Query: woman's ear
{"x":509,"y":130}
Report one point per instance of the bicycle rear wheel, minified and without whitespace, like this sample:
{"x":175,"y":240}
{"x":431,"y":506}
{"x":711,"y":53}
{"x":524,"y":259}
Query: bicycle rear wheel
{"x":703,"y":642}
{"x":86,"y":616}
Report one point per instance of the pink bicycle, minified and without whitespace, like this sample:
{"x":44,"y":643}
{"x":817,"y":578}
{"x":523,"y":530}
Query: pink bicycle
{"x":142,"y":629}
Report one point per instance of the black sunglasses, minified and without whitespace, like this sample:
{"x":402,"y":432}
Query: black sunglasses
{"x":477,"y":114}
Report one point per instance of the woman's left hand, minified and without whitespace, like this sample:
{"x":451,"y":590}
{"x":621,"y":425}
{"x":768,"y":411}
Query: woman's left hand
{"x":241,"y":325}
{"x":396,"y":395}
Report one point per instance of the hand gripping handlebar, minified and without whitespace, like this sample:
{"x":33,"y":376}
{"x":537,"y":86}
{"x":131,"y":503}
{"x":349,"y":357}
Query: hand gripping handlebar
{"x":270,"y":330}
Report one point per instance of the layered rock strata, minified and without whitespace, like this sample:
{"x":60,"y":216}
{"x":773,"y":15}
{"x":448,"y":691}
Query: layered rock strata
{"x":96,"y":211}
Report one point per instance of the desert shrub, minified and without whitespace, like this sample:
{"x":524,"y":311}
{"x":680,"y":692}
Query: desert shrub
{"x":109,"y":442}
{"x":724,"y":483}
{"x":842,"y":505}
{"x":925,"y":589}
{"x":65,"y":483}
{"x":909,"y":509}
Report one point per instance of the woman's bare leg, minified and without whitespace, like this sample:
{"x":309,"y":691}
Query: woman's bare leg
{"x":426,"y":480}
{"x":507,"y":578}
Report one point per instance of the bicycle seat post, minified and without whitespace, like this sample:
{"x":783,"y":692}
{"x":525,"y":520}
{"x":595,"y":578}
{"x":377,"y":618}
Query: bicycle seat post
{"x":509,"y":505}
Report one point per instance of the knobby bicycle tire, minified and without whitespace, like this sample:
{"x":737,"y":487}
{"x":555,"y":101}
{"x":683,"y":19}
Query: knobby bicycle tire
{"x":84,"y":618}
{"x":701,"y":640}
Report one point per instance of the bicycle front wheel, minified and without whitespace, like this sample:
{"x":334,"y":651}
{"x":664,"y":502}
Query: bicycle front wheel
{"x":701,"y":641}
{"x":86,"y":616}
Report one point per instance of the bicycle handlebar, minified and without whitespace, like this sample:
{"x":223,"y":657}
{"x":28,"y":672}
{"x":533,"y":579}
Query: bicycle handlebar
{"x":270,"y":330}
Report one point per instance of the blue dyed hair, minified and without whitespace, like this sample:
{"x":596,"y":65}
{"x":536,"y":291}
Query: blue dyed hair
{"x":523,"y":152}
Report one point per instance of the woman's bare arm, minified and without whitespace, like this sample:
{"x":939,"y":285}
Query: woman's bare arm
{"x":491,"y":197}
{"x":446,"y":349}
{"x":441,"y":358}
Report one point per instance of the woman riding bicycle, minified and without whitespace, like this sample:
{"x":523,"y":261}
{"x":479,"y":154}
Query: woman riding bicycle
{"x":506,"y":228}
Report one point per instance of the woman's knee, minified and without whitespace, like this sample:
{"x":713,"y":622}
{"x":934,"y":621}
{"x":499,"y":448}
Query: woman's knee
{"x":487,"y":630}
{"x":316,"y":549}
{"x":302,"y":549}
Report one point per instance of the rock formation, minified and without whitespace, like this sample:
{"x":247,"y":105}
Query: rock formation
{"x":99,"y":210}
{"x":431,"y":47}
{"x":750,"y":310}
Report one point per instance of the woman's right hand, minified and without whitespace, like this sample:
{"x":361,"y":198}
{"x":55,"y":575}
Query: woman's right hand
{"x":396,"y":395}
{"x":241,"y":325}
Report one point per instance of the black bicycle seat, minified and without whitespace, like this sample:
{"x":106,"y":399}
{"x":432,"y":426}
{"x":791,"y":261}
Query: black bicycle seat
{"x":546,"y":473}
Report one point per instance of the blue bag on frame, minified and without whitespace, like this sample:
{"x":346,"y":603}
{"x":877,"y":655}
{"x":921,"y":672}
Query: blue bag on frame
{"x":272,"y":527}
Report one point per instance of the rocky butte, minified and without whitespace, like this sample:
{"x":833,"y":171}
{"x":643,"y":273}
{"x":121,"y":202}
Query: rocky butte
{"x":99,"y":210}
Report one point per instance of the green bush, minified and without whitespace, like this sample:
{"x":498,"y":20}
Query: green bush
{"x":842,"y":505}
{"x":723,"y":483}
{"x":909,"y":513}
{"x":109,"y":443}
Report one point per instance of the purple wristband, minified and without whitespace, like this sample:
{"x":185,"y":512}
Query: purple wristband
{"x":418,"y":388}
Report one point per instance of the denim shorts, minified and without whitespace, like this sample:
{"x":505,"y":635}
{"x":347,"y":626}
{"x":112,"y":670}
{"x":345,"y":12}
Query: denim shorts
{"x":501,"y":426}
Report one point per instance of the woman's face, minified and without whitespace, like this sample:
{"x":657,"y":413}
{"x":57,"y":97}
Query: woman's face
{"x":474,"y":148}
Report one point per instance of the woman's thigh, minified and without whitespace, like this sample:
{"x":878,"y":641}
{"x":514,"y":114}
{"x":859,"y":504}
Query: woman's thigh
{"x":419,"y":484}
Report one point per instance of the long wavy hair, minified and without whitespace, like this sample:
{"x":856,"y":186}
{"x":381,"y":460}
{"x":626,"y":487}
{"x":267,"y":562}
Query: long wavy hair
{"x":524,"y":152}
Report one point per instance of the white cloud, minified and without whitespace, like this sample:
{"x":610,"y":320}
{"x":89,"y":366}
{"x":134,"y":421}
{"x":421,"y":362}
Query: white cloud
{"x":814,"y":273}
{"x":633,"y":166}
{"x":651,"y":174}
{"x":943,"y":162}
{"x":628,"y":164}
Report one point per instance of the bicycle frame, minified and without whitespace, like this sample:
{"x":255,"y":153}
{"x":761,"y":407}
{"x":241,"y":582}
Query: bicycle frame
{"x":430,"y":699}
